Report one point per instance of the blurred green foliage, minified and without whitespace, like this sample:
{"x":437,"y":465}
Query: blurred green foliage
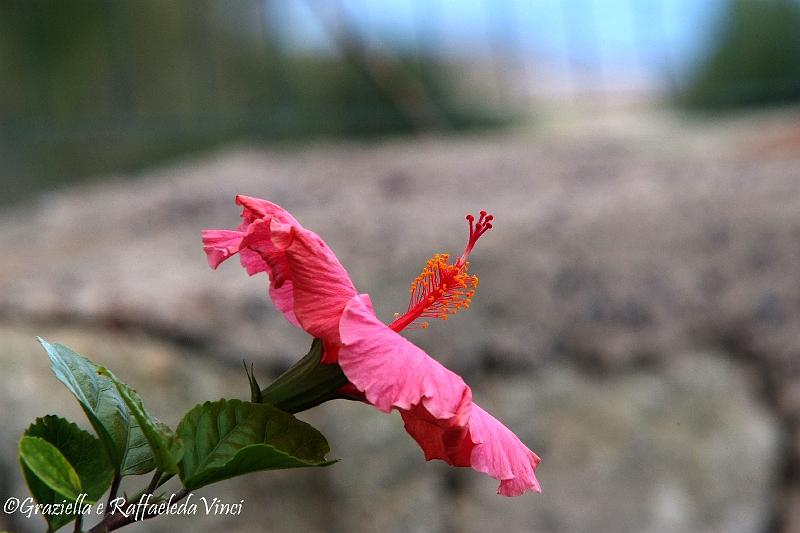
{"x":97,"y":86}
{"x":754,"y":60}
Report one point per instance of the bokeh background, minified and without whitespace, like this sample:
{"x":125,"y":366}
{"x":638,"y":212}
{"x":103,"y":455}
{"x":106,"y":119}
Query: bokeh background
{"x":638,"y":319}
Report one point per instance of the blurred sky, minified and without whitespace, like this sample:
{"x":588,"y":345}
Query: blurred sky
{"x":658,"y":40}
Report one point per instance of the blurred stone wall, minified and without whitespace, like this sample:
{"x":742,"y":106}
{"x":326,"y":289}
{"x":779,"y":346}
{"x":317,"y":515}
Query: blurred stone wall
{"x":637,"y":321}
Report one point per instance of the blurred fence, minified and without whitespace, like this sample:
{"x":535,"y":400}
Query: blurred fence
{"x":95,"y":86}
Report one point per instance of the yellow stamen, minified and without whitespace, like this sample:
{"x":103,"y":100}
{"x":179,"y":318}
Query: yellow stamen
{"x":442,"y":289}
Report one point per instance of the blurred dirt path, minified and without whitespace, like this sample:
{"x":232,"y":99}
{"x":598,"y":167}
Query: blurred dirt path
{"x":616,"y":250}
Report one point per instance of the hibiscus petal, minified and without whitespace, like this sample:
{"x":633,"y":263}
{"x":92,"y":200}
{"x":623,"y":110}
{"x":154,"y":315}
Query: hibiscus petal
{"x":482,"y":442}
{"x":284,"y":301}
{"x":498,"y":452}
{"x":256,"y":208}
{"x":390,"y":370}
{"x":320,"y":284}
{"x":252,"y":262}
{"x":447,"y":440}
{"x":267,"y":257}
{"x":220,"y":244}
{"x":308,"y":284}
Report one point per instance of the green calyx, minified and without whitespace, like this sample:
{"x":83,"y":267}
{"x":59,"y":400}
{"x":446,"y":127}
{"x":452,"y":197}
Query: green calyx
{"x":306,"y":384}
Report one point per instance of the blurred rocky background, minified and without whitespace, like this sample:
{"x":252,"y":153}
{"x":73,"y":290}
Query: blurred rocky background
{"x":638,"y":316}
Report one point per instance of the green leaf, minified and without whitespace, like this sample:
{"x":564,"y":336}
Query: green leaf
{"x":255,"y":388}
{"x":164,"y":443}
{"x":81,"y":449}
{"x":85,"y":454}
{"x":229,"y":438}
{"x":118,"y":429}
{"x":50,"y":466}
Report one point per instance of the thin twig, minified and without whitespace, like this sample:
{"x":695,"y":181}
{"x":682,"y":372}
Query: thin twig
{"x":151,"y":488}
{"x":113,"y":494}
{"x":78,"y":523}
{"x":164,"y":479}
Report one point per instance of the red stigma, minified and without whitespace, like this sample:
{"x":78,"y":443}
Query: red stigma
{"x":476,"y":229}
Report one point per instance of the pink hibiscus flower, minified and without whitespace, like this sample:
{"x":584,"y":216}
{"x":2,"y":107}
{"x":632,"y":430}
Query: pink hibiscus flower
{"x":311,"y":288}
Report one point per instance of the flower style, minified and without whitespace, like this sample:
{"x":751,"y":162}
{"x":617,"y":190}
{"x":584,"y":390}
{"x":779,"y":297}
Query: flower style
{"x":311,"y":288}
